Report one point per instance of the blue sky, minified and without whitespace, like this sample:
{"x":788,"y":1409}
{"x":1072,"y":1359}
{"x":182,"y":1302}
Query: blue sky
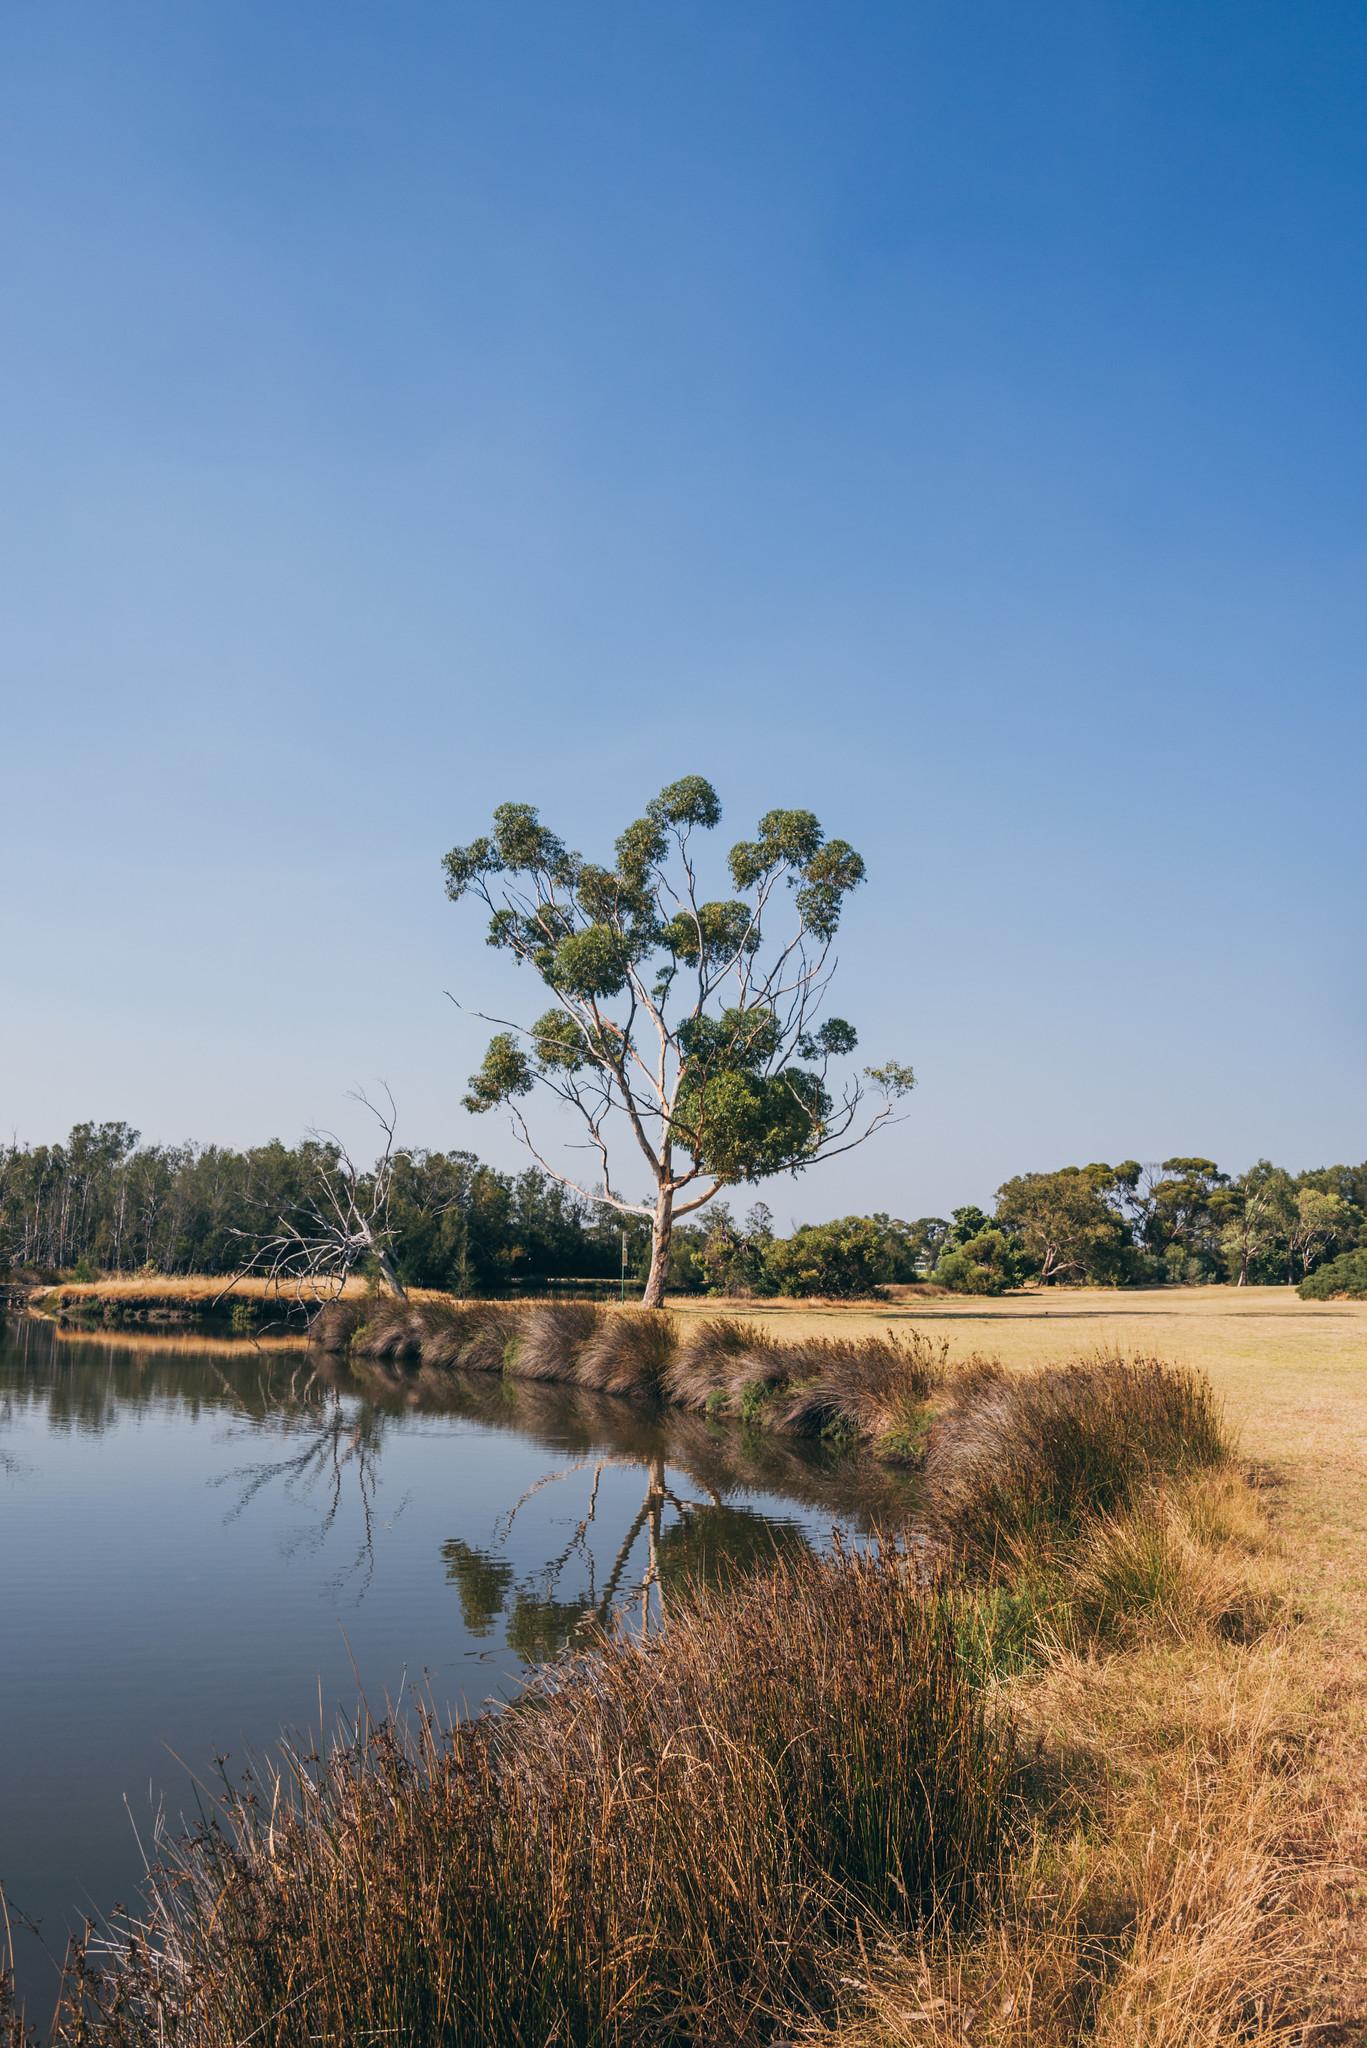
{"x":947,"y":418}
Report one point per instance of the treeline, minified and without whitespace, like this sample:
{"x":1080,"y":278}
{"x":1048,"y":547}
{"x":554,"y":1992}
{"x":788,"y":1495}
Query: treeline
{"x":1183,"y":1222}
{"x":103,"y":1202}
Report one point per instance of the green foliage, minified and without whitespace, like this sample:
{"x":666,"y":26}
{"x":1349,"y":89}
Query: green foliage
{"x":716,"y":933}
{"x":505,"y":1073}
{"x":740,"y":1125}
{"x":988,"y":1263}
{"x":979,"y":1258}
{"x":1001,"y":1628}
{"x":844,"y":1259}
{"x":753,"y":1397}
{"x":1344,"y":1276}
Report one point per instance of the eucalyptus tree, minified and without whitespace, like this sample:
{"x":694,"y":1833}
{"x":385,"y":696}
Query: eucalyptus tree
{"x":685,"y":1028}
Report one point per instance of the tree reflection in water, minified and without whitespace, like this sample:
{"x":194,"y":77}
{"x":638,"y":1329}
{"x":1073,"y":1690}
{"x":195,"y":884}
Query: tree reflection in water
{"x":329,"y":1426}
{"x":708,"y":1540}
{"x":339,"y":1451}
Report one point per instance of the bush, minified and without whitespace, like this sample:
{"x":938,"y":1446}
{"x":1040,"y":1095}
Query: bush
{"x":1345,"y":1276}
{"x":986,"y":1264}
{"x":841,"y":1260}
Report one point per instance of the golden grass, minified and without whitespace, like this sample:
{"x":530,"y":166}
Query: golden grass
{"x":1245,"y":1763}
{"x":198,"y":1290}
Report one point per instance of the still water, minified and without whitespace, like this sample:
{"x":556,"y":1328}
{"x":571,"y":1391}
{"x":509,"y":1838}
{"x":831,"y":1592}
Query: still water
{"x":207,"y":1544}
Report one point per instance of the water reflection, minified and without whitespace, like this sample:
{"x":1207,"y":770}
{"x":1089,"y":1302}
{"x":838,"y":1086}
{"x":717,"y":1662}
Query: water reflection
{"x":333,"y":1421}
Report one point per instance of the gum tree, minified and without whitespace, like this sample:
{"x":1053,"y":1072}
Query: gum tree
{"x":684,"y":1029}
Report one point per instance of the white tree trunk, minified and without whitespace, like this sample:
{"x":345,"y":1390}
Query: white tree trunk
{"x":661,"y":1231}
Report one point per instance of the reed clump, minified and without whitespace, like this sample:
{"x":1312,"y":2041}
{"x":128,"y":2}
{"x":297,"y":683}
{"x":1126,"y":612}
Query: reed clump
{"x":1018,"y":1464}
{"x":665,"y":1841}
{"x":873,"y":1388}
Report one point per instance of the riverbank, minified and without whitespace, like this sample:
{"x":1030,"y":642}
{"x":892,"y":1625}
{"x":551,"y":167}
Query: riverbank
{"x":1182,"y":1671}
{"x":811,"y":1798}
{"x":872,"y":1388}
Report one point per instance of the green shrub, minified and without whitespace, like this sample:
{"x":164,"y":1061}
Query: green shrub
{"x":1343,"y":1276}
{"x":985,"y":1264}
{"x":841,"y":1260}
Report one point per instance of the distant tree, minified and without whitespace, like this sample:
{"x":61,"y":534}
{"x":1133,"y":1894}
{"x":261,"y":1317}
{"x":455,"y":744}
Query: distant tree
{"x":988,"y":1262}
{"x":1321,"y":1220}
{"x":842,"y":1260}
{"x":679,"y":1024}
{"x":1259,"y":1210}
{"x":1068,"y":1222}
{"x":1172,"y":1209}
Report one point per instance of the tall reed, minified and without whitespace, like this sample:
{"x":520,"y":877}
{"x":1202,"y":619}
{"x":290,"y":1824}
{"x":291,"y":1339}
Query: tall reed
{"x":1018,"y":1463}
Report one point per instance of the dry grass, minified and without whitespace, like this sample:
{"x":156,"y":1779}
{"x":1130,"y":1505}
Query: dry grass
{"x":1018,"y":1462}
{"x":667,"y":1842}
{"x":872,"y":1387}
{"x":1246,"y":1758}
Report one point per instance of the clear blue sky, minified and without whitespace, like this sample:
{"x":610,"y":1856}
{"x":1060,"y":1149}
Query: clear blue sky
{"x":952,"y":418}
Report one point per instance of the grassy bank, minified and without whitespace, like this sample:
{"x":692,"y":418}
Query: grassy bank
{"x":838,"y":1803}
{"x":870,"y":1388}
{"x":184,"y":1297}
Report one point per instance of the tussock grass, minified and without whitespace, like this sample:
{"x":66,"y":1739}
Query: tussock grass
{"x":1017,"y":1463}
{"x":1177,"y":1563}
{"x":873,"y":1388}
{"x":626,"y":1351}
{"x":546,"y":1338}
{"x":664,"y":1843}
